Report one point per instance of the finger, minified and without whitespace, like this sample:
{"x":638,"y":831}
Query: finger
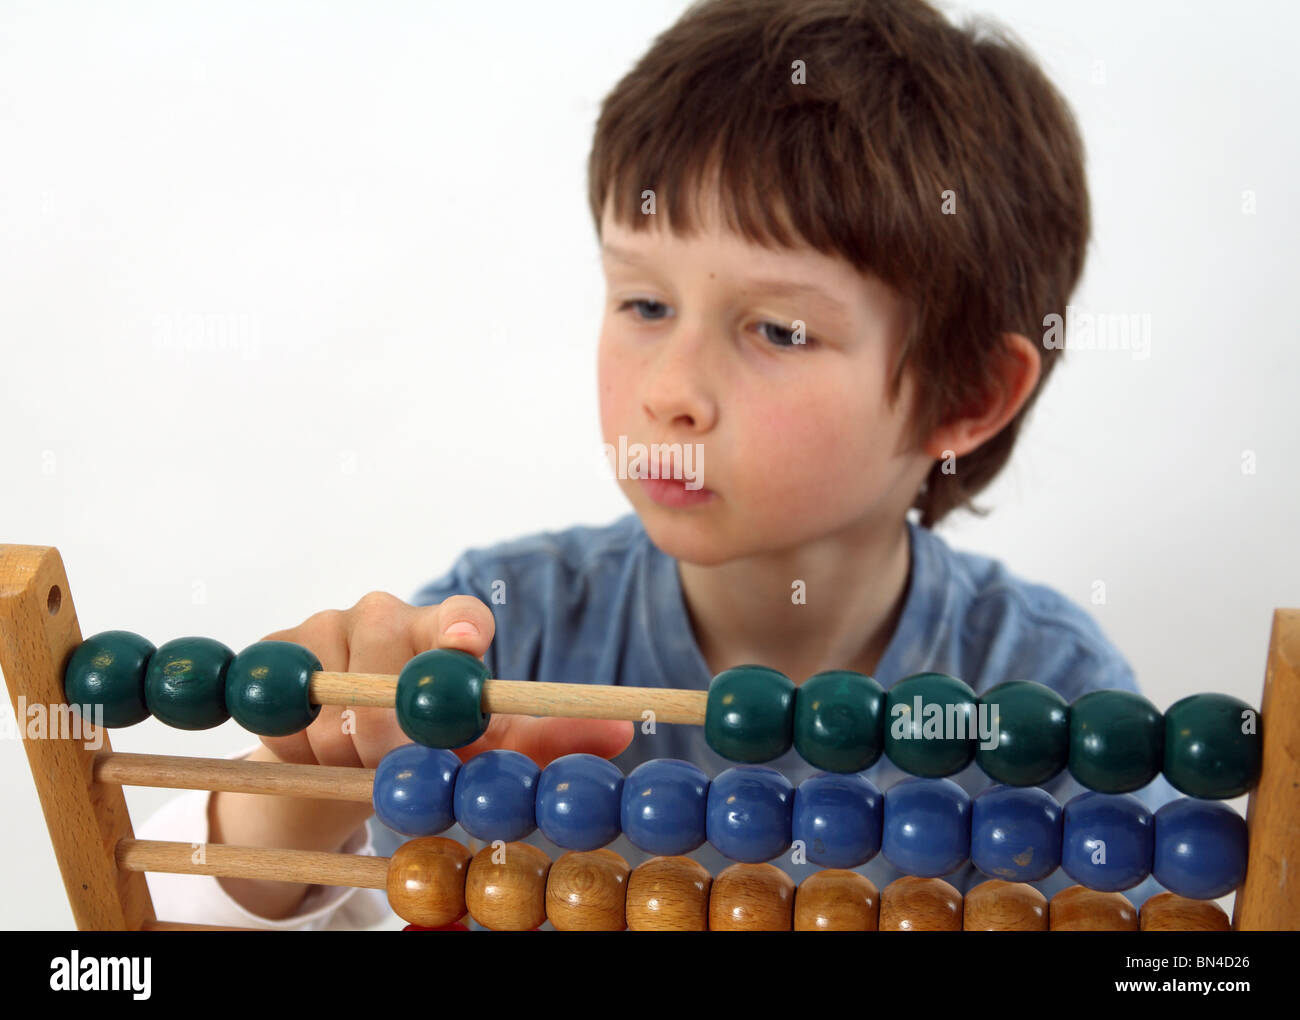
{"x":380,"y":634}
{"x":377,"y":733}
{"x":544,"y":740}
{"x":502,"y":732}
{"x":325,"y":637}
{"x":555,"y":737}
{"x":385,"y":633}
{"x":461,"y":622}
{"x":331,"y":736}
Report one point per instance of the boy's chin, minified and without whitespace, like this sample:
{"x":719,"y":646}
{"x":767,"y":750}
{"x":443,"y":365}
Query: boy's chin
{"x":698,"y":537}
{"x":685,"y":535}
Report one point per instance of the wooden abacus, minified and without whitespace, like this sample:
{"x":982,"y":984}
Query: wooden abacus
{"x":435,"y":880}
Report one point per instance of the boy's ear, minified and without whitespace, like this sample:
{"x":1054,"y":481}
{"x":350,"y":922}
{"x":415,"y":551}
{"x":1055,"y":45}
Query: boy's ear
{"x":1014,"y":380}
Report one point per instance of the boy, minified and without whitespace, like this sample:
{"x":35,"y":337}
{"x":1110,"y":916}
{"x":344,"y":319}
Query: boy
{"x":831,"y":235}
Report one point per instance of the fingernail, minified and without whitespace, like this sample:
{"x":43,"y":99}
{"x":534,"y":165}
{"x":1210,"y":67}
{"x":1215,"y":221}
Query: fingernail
{"x":461,"y":627}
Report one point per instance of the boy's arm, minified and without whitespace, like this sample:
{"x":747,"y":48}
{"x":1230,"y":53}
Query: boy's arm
{"x":364,"y":640}
{"x":203,"y":899}
{"x":293,"y":823}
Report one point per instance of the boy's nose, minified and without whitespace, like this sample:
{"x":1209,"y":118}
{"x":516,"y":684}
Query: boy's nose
{"x":677,"y":412}
{"x":677,"y":385}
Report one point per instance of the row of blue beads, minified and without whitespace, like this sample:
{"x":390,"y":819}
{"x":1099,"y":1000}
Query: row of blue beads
{"x":926,"y":827}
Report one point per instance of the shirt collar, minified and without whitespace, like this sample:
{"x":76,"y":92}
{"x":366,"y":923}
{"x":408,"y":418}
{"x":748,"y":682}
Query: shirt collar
{"x":676,"y":655}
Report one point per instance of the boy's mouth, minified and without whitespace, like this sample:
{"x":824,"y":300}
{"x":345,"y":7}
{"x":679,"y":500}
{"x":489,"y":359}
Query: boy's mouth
{"x":672,"y":492}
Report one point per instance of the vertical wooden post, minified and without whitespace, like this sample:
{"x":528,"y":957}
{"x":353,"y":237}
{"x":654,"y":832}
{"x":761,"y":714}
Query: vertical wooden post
{"x":1269,"y":899}
{"x":38,"y":633}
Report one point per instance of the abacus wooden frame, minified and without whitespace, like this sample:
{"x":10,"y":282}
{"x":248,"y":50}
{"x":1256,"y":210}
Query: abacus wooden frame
{"x":103,"y":865}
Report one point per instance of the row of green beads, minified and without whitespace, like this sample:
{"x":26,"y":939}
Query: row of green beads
{"x":193,"y":683}
{"x":1112,"y":741}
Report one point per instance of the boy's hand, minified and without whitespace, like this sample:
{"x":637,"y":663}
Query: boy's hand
{"x":380,"y":634}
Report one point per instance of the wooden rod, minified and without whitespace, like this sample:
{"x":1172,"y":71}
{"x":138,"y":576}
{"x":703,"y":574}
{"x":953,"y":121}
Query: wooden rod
{"x":312,"y":867}
{"x":317,"y":782}
{"x":528,"y":697}
{"x":186,"y":926}
{"x":38,"y":633}
{"x":1269,"y":899}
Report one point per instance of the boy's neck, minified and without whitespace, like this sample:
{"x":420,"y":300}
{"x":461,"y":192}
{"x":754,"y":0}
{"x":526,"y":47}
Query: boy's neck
{"x":855,"y":588}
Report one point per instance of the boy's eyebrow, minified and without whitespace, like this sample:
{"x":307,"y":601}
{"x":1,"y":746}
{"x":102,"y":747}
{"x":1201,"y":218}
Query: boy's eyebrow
{"x":781,"y":288}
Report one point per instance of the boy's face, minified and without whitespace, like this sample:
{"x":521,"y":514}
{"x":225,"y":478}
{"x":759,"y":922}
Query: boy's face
{"x":792,"y":441}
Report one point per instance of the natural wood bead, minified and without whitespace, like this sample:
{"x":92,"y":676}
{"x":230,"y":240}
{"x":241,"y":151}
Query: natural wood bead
{"x":510,"y":895}
{"x":1167,"y":911}
{"x":751,"y":897}
{"x":920,"y":904}
{"x":668,"y":894}
{"x":996,"y":905}
{"x":1080,"y":909}
{"x":836,"y":900}
{"x":426,"y":881}
{"x":586,"y":891}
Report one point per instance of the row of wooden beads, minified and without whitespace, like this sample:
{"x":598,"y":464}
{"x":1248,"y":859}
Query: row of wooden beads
{"x":433,"y":881}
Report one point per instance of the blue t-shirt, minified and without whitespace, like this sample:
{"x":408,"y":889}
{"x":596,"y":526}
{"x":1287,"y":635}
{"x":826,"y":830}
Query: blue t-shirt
{"x":603,"y":605}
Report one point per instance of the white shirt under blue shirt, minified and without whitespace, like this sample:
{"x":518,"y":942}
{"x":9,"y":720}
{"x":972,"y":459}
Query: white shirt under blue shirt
{"x":603,"y":605}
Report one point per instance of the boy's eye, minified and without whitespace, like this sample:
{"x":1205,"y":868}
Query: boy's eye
{"x":641,"y":303}
{"x":783,"y":337}
{"x":780,"y":337}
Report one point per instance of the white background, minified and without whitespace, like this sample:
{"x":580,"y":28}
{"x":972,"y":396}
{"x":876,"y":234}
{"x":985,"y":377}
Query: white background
{"x":377,"y":217}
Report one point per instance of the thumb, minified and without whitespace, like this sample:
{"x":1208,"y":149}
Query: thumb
{"x":460,"y":622}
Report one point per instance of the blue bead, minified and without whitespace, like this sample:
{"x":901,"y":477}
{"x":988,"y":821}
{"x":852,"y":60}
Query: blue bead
{"x":838,"y":817}
{"x":578,"y":799}
{"x":1200,"y":848}
{"x":750,"y":812}
{"x":927,"y":827}
{"x":1107,"y":841}
{"x":413,"y":790}
{"x":1015,"y":833}
{"x":495,"y":794}
{"x":663,"y":806}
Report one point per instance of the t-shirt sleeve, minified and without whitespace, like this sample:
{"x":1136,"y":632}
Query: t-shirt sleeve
{"x":200,"y":899}
{"x":459,"y":579}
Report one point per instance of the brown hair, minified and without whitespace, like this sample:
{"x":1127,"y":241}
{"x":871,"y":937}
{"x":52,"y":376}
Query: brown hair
{"x":899,"y":106}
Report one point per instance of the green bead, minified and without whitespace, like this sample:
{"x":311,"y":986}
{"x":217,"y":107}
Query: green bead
{"x":108,"y":670}
{"x":1212,"y":746}
{"x":929,"y":738}
{"x":185,"y":684}
{"x":749,"y":716}
{"x":1032,"y":726}
{"x":839,"y":721}
{"x":1117,"y":741}
{"x":268,"y":688}
{"x":440,"y":698}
